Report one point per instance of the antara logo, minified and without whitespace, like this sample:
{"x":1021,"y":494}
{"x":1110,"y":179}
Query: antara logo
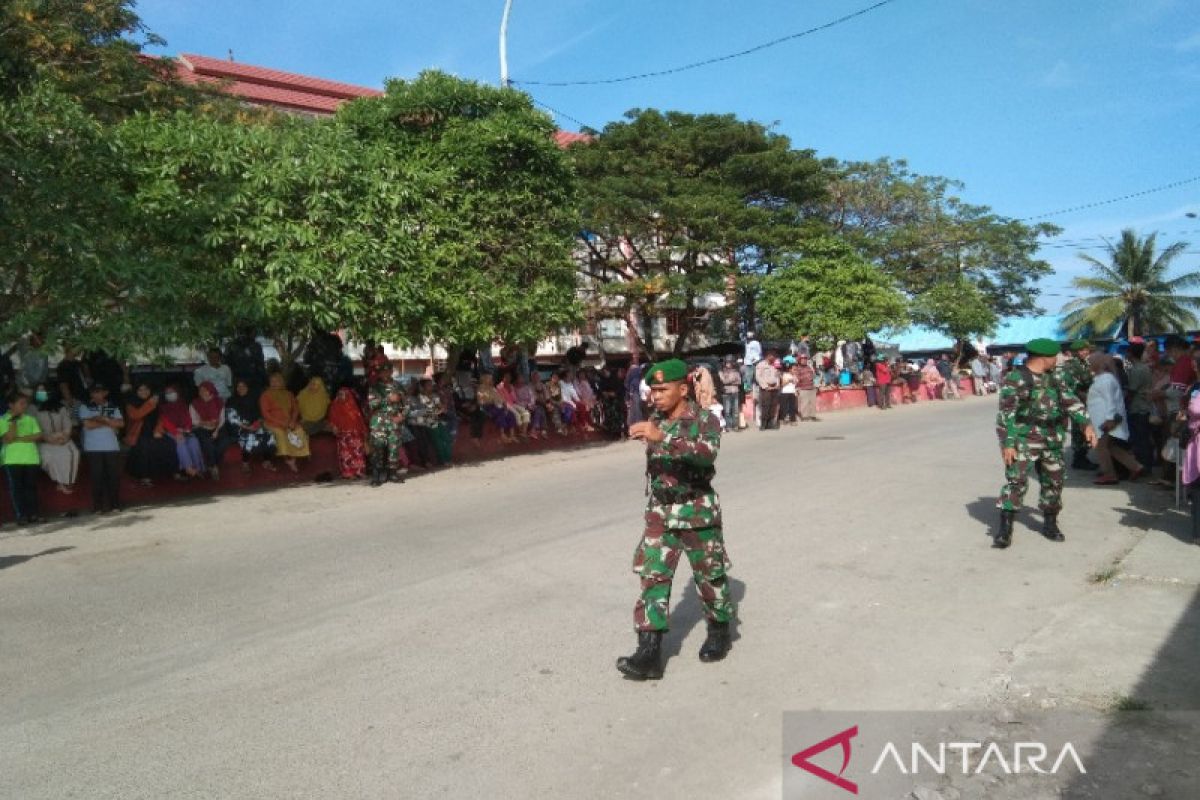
{"x":801,"y":759}
{"x":965,"y":758}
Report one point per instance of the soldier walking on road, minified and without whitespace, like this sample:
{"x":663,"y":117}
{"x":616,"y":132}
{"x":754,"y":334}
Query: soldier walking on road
{"x":683,"y":515}
{"x":1035,"y":406}
{"x":1076,"y":375}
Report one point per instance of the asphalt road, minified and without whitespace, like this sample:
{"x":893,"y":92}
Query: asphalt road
{"x":455,"y":636}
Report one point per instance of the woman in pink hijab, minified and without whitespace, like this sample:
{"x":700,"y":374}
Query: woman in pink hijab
{"x":932,"y":380}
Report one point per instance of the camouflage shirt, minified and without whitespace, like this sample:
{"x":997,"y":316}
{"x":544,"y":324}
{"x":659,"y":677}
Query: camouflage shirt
{"x":1035,"y":408}
{"x":680,"y":469}
{"x":387,"y":417}
{"x":1076,"y":376}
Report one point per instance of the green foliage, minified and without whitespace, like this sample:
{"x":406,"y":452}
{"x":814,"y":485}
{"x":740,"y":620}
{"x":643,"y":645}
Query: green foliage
{"x":922,"y":234}
{"x":73,"y":259}
{"x":90,"y":52}
{"x":402,"y":225}
{"x":1133,"y":289}
{"x":956,"y":307}
{"x":673,"y":204}
{"x":496,"y":239}
{"x":830,"y":291}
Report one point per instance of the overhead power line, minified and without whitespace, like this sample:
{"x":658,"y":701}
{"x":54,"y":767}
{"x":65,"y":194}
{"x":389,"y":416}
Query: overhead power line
{"x":1112,"y":200}
{"x":558,"y":113}
{"x":716,"y":59}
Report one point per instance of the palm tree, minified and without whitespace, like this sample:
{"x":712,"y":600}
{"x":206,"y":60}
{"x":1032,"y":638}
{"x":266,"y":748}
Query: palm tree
{"x":1133,"y":289}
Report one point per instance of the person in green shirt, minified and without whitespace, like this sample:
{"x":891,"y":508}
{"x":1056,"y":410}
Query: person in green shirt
{"x":19,"y":435}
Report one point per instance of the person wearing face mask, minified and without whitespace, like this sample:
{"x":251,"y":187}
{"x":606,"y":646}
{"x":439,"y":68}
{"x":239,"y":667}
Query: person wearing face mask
{"x":151,"y":455}
{"x":175,"y":421}
{"x":59,"y":455}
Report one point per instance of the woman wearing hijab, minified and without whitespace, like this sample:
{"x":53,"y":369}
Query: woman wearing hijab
{"x":497,"y":410}
{"x":59,"y":455}
{"x":558,"y":399}
{"x":281,"y":415}
{"x":208,"y":424}
{"x":1106,"y":407}
{"x":314,"y":405}
{"x":350,"y":429}
{"x":151,"y":455}
{"x":175,"y":421}
{"x":932,"y":380}
{"x":243,"y":419}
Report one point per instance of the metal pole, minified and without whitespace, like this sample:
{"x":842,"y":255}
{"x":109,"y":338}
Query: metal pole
{"x":504,"y":44}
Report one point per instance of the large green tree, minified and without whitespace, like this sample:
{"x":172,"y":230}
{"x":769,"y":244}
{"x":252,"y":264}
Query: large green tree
{"x":441,"y":212}
{"x":955,"y":307}
{"x":90,"y":51}
{"x":75,"y":262}
{"x":830,"y":291}
{"x":1134,"y":289}
{"x":495,"y":261}
{"x":675,"y":205}
{"x":918,"y":230}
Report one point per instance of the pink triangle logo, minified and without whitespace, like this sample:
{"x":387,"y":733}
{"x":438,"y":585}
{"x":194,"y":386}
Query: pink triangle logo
{"x":801,"y":759}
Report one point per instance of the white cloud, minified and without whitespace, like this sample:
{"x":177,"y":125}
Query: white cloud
{"x":1190,"y":43}
{"x":1060,"y":76}
{"x":562,"y":47}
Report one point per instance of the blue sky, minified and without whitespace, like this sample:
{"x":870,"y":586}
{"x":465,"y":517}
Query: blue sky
{"x":1036,"y":105}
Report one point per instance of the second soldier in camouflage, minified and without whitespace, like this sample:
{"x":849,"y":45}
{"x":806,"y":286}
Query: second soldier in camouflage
{"x":1035,"y":407}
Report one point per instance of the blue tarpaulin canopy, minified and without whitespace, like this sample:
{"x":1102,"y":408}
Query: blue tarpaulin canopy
{"x":1014,"y":332}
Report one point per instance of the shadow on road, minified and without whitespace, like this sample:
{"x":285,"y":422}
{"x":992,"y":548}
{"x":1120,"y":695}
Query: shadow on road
{"x":1152,"y":749}
{"x":12,"y":561}
{"x":689,"y":613}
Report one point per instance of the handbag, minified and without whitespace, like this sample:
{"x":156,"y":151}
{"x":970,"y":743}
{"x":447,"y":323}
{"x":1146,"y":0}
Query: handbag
{"x":295,"y":439}
{"x":1170,"y":451}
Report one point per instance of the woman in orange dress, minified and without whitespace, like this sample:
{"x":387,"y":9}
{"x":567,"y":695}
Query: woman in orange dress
{"x":281,"y":414}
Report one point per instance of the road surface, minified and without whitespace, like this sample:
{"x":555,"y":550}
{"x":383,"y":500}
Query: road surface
{"x":455,"y":636}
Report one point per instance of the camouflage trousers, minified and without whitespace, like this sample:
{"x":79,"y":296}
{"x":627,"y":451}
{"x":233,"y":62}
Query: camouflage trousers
{"x":655,"y":561}
{"x":1044,"y":459}
{"x":388,"y":452}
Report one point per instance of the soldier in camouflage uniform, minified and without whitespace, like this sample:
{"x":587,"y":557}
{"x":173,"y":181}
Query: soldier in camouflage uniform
{"x":1076,"y":375}
{"x":683,"y":516}
{"x":385,"y":403}
{"x":1035,"y":407}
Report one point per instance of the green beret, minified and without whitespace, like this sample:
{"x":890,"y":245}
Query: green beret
{"x":666,"y":372}
{"x":1042,"y":347}
{"x":1080,"y":344}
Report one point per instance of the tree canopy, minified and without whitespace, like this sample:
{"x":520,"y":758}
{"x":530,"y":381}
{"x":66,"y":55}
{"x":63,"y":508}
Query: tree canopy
{"x":922,"y":234}
{"x":674,"y":204}
{"x":830,"y":291}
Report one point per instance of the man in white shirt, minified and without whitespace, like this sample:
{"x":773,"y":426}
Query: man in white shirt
{"x":219,"y":374}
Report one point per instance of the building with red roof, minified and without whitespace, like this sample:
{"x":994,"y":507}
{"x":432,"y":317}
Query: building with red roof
{"x":261,"y":86}
{"x":289,"y":91}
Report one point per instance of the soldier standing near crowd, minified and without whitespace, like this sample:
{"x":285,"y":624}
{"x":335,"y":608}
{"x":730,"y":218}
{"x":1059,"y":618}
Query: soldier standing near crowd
{"x":683,"y":515}
{"x":1076,"y":375}
{"x":1035,"y":406}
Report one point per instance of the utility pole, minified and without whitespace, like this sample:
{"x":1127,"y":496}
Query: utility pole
{"x":504,"y":81}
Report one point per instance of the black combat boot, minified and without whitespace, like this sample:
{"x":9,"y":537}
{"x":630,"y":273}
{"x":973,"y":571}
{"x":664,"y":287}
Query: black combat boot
{"x":377,"y":471}
{"x":1050,"y":527}
{"x":717,"y":643}
{"x":1003,"y":536}
{"x":646,"y":662}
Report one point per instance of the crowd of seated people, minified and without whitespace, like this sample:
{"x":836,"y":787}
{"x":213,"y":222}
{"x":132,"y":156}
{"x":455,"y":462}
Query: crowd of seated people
{"x":95,"y":411}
